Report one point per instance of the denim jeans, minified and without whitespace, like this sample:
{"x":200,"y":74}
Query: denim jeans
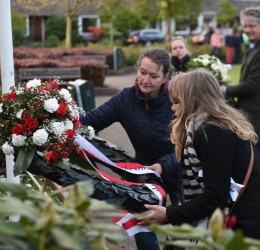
{"x":146,"y":241}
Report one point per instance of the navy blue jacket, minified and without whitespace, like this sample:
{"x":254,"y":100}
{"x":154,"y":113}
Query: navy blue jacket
{"x":147,"y":124}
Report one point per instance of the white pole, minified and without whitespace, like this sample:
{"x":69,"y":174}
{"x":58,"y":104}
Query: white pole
{"x":7,"y":67}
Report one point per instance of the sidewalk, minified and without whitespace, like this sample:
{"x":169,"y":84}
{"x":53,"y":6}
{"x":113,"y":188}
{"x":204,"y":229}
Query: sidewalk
{"x":115,"y":133}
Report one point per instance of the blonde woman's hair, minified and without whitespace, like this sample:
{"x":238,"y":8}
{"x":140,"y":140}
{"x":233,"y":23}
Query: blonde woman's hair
{"x":197,"y":92}
{"x":180,"y":38}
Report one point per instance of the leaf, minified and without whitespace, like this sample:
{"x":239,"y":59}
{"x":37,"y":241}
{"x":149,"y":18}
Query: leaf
{"x":17,"y":190}
{"x":23,"y":160}
{"x":65,"y":240}
{"x":13,"y":229}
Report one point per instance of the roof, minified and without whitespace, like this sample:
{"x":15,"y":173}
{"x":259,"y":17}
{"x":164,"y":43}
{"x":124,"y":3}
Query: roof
{"x":53,"y":8}
{"x":212,"y":5}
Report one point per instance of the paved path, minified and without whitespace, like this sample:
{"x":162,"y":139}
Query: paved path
{"x":115,"y":133}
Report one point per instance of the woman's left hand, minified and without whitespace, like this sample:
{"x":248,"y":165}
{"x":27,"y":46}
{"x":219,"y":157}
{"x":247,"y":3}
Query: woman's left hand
{"x":158,"y":215}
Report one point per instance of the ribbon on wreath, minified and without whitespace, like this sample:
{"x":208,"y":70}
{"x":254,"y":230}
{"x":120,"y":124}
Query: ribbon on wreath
{"x":128,"y":222}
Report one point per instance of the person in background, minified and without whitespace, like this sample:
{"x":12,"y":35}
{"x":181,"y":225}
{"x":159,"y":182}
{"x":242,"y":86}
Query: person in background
{"x":214,"y":142}
{"x":230,"y":41}
{"x":208,"y":34}
{"x":247,"y":91}
{"x":238,"y":43}
{"x":217,"y":42}
{"x":180,"y":54}
{"x":144,"y":111}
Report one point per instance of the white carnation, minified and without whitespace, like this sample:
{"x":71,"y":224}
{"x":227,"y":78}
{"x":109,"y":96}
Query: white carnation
{"x":18,"y":140}
{"x":7,"y":148}
{"x":68,"y":124}
{"x":40,"y":137}
{"x":74,"y":110}
{"x":19,"y":113}
{"x":1,"y":107}
{"x":51,"y":105}
{"x":65,"y":94}
{"x":33,"y":83}
{"x":91,"y":132}
{"x":57,"y":128}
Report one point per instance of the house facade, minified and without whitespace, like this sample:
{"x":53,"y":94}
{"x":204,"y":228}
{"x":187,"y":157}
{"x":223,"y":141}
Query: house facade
{"x":210,"y":11}
{"x":87,"y":16}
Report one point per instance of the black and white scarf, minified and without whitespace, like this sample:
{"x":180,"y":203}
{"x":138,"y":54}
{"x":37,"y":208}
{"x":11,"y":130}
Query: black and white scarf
{"x":192,"y":167}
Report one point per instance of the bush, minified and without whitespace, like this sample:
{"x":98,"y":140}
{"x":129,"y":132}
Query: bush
{"x":44,"y":224}
{"x":18,"y":36}
{"x":51,"y":41}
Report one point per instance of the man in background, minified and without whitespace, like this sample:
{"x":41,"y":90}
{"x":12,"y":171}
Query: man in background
{"x":247,"y":92}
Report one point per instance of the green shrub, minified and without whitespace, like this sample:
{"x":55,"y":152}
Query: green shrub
{"x":18,"y":36}
{"x":45,"y":225}
{"x":51,"y":41}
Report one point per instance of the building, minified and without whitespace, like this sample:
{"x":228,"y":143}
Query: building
{"x":36,"y":17}
{"x":87,"y":16}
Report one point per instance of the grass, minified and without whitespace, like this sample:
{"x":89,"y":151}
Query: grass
{"x":234,"y":74}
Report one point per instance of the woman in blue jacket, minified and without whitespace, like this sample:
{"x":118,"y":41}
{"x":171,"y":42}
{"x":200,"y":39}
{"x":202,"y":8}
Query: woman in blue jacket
{"x":144,"y":111}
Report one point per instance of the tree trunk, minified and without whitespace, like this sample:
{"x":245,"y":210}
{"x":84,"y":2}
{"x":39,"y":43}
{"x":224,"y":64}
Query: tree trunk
{"x":168,"y":35}
{"x":68,"y":31}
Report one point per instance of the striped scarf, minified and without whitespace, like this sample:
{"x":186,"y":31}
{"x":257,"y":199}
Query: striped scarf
{"x":192,"y":181}
{"x":192,"y":167}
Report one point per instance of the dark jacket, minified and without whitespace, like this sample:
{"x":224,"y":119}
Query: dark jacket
{"x":147,"y":124}
{"x":248,"y":89}
{"x":180,"y":66}
{"x":223,"y":155}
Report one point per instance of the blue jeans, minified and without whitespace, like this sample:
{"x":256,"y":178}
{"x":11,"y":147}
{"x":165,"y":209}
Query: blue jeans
{"x":146,"y":241}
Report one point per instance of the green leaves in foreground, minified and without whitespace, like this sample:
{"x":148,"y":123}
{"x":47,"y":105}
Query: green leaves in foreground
{"x":45,"y":225}
{"x":216,"y":237}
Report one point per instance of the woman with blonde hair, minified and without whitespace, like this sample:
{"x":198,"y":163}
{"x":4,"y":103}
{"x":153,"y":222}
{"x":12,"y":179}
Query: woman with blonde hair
{"x":180,"y":54}
{"x":214,"y":145}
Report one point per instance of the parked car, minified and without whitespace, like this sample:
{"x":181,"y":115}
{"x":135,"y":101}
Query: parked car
{"x":199,"y":38}
{"x":144,"y":36}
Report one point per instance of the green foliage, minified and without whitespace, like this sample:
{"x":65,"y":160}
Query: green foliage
{"x":216,"y":237}
{"x":45,"y":225}
{"x":146,"y":10}
{"x":18,"y":20}
{"x":126,"y":20}
{"x":57,"y":28}
{"x":51,"y":41}
{"x":227,"y":10}
{"x":18,"y":36}
{"x":18,"y":28}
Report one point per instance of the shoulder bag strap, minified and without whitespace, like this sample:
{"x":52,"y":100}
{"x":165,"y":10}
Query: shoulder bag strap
{"x":248,"y":173}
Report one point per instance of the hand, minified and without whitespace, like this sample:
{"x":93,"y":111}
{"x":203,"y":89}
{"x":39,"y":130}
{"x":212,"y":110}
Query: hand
{"x":156,"y":168}
{"x":158,"y":215}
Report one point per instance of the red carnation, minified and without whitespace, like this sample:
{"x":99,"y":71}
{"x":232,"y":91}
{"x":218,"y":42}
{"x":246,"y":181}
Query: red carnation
{"x":61,"y":111}
{"x":51,"y":156}
{"x":70,"y":134}
{"x":30,"y":124}
{"x":9,"y":96}
{"x":76,"y":123}
{"x":26,"y":114}
{"x":54,"y":84}
{"x":18,"y":129}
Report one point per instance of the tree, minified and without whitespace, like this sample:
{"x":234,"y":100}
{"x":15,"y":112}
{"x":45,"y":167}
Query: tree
{"x":175,"y":8}
{"x":227,"y":10}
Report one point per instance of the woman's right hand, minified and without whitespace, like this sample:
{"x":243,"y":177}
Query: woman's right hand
{"x":156,"y":168}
